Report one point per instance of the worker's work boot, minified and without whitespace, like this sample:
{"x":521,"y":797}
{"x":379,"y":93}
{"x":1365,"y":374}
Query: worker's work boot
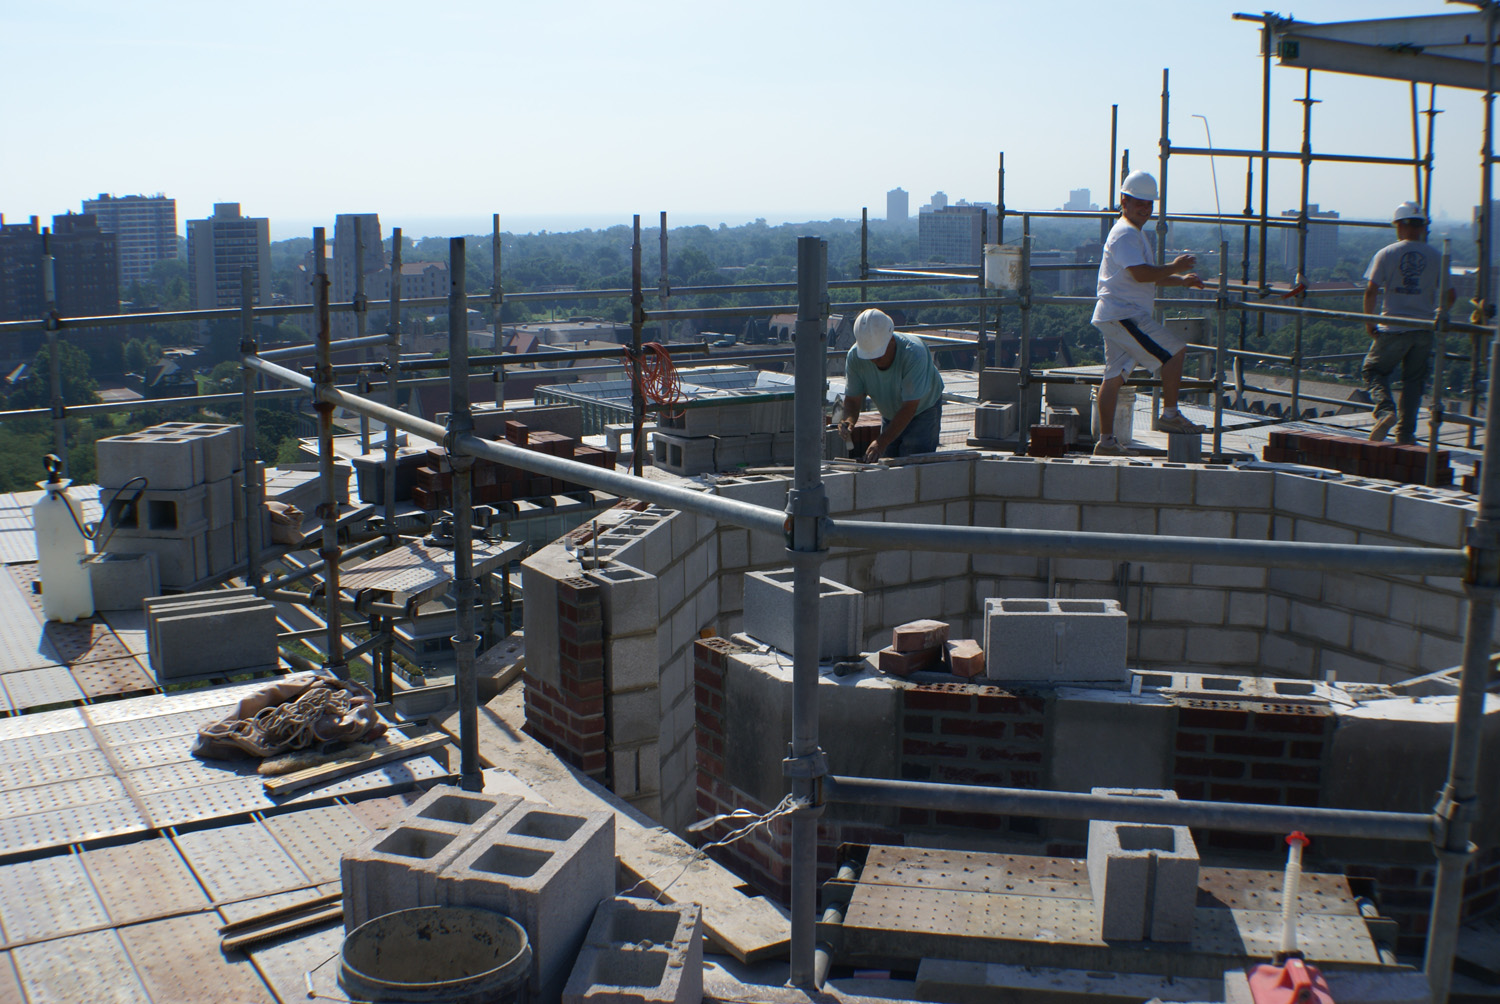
{"x":1382,"y":426}
{"x":1109,"y":446}
{"x":1178,"y":422}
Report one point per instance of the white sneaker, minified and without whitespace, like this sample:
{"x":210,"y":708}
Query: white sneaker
{"x":1109,"y":446}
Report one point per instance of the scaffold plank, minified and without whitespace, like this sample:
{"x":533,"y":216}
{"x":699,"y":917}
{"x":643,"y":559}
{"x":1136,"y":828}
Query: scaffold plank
{"x":970,"y":871}
{"x":75,"y":969}
{"x":10,"y":983}
{"x":88,"y":640}
{"x":46,"y":898}
{"x":50,"y":769}
{"x":70,"y":825}
{"x":67,"y":794}
{"x":42,"y":723}
{"x":284,"y":965}
{"x":153,"y":753}
{"x":249,"y":908}
{"x":238,"y":862}
{"x":317,"y":838}
{"x":112,"y":676}
{"x":37,"y":688}
{"x":143,"y":879}
{"x":381,"y":810}
{"x":179,"y":960}
{"x":205,"y":802}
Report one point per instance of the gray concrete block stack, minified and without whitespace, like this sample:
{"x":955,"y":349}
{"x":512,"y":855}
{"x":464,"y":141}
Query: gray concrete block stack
{"x":725,"y":434}
{"x":220,"y":631}
{"x":639,"y":951}
{"x":545,"y":869}
{"x":1054,"y":640}
{"x":1144,"y":877}
{"x":190,"y":510}
{"x":769,"y":614}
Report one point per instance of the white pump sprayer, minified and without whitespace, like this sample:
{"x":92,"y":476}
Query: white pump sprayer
{"x":61,"y":547}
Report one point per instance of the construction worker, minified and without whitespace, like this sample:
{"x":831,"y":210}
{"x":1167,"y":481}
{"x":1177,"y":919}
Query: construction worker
{"x":1128,"y":277}
{"x":1407,"y":273}
{"x":898,"y":374}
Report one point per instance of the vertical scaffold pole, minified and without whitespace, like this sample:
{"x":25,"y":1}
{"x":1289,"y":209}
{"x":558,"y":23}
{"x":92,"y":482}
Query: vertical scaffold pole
{"x":807,"y":508}
{"x":54,"y":364}
{"x":361,"y":319}
{"x":1023,"y":347}
{"x":1457,"y":808}
{"x":1440,"y":351}
{"x":637,"y":321}
{"x":984,"y":236}
{"x":328,"y":509}
{"x":1486,"y":290}
{"x":864,"y":251}
{"x":460,"y":424}
{"x":1222,"y":315}
{"x":392,"y":374}
{"x":497,"y":303}
{"x":1307,"y":101}
{"x":249,"y":455}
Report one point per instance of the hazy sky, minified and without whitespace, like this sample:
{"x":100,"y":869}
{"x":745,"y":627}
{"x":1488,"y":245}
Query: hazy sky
{"x":582,"y":113}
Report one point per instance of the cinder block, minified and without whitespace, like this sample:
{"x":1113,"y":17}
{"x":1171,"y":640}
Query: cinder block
{"x":885,"y":488}
{"x":1185,"y":447}
{"x":219,"y":507}
{"x":167,"y":462}
{"x":916,"y":635}
{"x":1054,"y":640}
{"x":634,"y":716}
{"x":627,"y":598}
{"x":1019,"y":477}
{"x":941,"y":482}
{"x":190,"y":640}
{"x":226,"y":545}
{"x":397,"y":867}
{"x":177,"y":513}
{"x":180,"y":561}
{"x":1144,"y":877}
{"x":547,"y":870}
{"x":965,"y":657}
{"x":681,"y":455}
{"x":638,"y":951}
{"x":770,"y":614}
{"x":121,"y":580}
{"x":995,"y":421}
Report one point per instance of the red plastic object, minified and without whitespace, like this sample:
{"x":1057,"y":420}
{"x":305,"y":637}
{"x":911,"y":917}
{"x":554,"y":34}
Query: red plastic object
{"x":1293,"y":983}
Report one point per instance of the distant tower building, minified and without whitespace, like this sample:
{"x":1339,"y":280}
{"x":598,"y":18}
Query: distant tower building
{"x":953,"y":235}
{"x":84,"y":268}
{"x":342,"y":278}
{"x":1322,"y":240}
{"x":1078,"y":202}
{"x":219,"y":247}
{"x":1494,"y":216}
{"x":145,"y":229}
{"x":939,"y":201}
{"x":897,"y":205}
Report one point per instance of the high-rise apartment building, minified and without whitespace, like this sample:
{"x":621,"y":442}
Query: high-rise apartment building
{"x":955,"y":235}
{"x":897,"y":205}
{"x":1078,"y":201}
{"x":347,"y":261}
{"x":84,"y":268}
{"x":1322,"y":240}
{"x":219,"y":247}
{"x":145,"y":229}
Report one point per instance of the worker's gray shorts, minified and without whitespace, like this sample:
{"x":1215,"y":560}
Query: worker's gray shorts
{"x":1136,"y":341}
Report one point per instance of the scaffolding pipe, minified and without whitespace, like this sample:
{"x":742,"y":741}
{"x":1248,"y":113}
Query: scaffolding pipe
{"x":249,"y":455}
{"x":637,"y":321}
{"x":1221,"y":315}
{"x":806,"y":508}
{"x":54,"y":364}
{"x":460,"y":426}
{"x":870,"y":791}
{"x":313,"y":348}
{"x":316,"y":567}
{"x":1023,"y":349}
{"x":1435,"y":410}
{"x":392,"y":357}
{"x":1300,"y":286}
{"x":361,"y":316}
{"x":328,"y":510}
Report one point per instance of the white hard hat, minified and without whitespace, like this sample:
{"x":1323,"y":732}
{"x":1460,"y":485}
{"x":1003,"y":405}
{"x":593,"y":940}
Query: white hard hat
{"x":1139,"y":185}
{"x":872,"y":333}
{"x":1408,"y":211}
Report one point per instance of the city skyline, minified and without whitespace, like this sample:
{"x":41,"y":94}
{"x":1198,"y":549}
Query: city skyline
{"x":675,"y":108}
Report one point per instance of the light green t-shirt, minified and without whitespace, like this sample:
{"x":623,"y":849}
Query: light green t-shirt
{"x":912,"y":376}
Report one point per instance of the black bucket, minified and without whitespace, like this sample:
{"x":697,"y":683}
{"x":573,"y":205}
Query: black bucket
{"x":437,"y":953}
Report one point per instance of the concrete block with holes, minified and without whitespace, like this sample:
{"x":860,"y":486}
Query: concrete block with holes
{"x":682,"y":455}
{"x":547,"y":870}
{"x":181,"y":562}
{"x":639,"y":951}
{"x":397,"y":867}
{"x":121,"y":581}
{"x":769,"y":614}
{"x":1143,"y":876}
{"x":1054,"y":640}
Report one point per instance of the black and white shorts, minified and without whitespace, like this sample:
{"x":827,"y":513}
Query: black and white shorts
{"x":1136,"y":341}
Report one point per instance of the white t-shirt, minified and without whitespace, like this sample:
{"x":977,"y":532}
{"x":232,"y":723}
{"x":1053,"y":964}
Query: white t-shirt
{"x":1120,"y":295}
{"x":1407,"y":274}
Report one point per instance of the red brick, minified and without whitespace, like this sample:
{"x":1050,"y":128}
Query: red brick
{"x":1285,"y":772}
{"x":915,"y":636}
{"x":906,"y":663}
{"x":917,"y":747}
{"x":1210,"y":718}
{"x":917,"y":724}
{"x":1209,"y":767}
{"x":982,"y":727}
{"x":965,"y":658}
{"x":1009,"y":754}
{"x":1192,"y":742}
{"x":1239,"y":745}
{"x":937,"y":698}
{"x":1312,"y":724}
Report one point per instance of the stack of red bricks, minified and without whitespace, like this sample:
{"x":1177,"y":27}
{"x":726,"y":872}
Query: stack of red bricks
{"x":432,"y":485}
{"x":569,"y":719}
{"x":1046,"y":441}
{"x":923,"y":647}
{"x":1390,"y":461}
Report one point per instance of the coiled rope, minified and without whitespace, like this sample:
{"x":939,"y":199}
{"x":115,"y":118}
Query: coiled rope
{"x":658,"y":382}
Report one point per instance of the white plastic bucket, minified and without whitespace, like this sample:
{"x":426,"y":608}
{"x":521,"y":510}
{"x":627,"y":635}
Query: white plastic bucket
{"x":1124,"y":414}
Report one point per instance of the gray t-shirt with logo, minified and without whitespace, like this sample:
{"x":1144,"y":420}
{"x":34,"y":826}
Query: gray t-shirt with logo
{"x":1407,"y":274}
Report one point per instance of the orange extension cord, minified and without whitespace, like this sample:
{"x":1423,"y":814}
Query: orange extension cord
{"x":658,"y":381}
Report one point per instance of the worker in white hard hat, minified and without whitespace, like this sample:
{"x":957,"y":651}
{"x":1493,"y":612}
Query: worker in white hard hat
{"x":1403,"y":278}
{"x":897,"y":372}
{"x":1128,"y":277}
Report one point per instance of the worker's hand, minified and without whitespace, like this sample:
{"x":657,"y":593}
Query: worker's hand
{"x":1184,"y":263}
{"x":1370,"y":330}
{"x":846,"y":430}
{"x":873,"y":452}
{"x":1192,"y":281}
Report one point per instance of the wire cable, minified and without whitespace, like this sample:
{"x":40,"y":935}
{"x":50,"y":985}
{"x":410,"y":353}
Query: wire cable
{"x":657,"y":381}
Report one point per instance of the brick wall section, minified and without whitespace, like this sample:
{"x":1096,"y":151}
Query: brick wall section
{"x":1233,"y":751}
{"x":1404,"y":893}
{"x":569,"y":720}
{"x":955,"y":733}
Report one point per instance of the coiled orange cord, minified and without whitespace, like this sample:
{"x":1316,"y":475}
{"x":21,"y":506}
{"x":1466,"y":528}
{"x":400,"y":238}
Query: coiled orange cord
{"x":658,"y":381}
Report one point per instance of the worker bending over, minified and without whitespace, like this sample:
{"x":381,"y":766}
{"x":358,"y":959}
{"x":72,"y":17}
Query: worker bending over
{"x":1128,"y":277}
{"x":898,"y":374}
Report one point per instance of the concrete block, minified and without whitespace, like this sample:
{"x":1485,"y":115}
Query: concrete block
{"x":1430,"y":521}
{"x":1363,"y":505}
{"x":998,"y":384}
{"x":1081,"y":481}
{"x":167,"y":462}
{"x":627,"y":599}
{"x":1296,"y":495}
{"x":1144,"y":877}
{"x":396,"y":867}
{"x":1041,"y":516}
{"x":180,"y":561}
{"x":1054,"y":640}
{"x":193,"y":640}
{"x":545,"y":869}
{"x":681,"y":455}
{"x":638,"y":951}
{"x":220,"y":505}
{"x":1212,"y":646}
{"x":122,"y":580}
{"x":1196,"y":523}
{"x":1219,"y":488}
{"x":633,"y":716}
{"x":1108,"y":518}
{"x":1199,"y":606}
{"x":226,"y":545}
{"x":630,"y":662}
{"x":1013,"y":477}
{"x":770,"y":613}
{"x":1184,"y":448}
{"x":179,"y":513}
{"x":1156,"y":485}
{"x":995,"y":421}
{"x":885,"y":488}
